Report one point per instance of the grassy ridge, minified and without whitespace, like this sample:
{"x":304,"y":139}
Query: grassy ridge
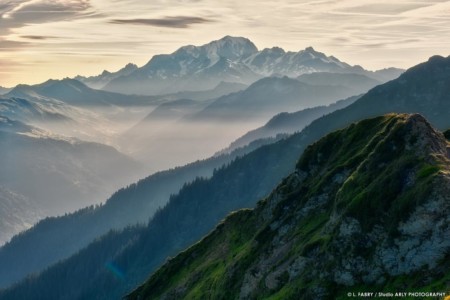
{"x":368,"y":178}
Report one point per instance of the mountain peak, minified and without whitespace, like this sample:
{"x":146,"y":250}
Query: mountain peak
{"x":235,"y":40}
{"x":232,"y":47}
{"x":436,"y":58}
{"x":129,"y":67}
{"x":436,"y":66}
{"x":409,"y":131}
{"x":228,"y":47}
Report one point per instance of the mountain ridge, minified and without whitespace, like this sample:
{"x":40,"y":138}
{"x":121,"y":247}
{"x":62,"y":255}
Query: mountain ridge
{"x":74,"y":92}
{"x":99,"y":81}
{"x":315,"y":216}
{"x":233,"y":59}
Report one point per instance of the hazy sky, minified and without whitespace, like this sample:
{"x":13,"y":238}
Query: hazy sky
{"x":41,"y":39}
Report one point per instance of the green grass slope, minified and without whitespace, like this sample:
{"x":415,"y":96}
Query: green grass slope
{"x":367,"y":208}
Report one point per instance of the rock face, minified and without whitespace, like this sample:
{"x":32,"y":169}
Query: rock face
{"x":367,"y":208}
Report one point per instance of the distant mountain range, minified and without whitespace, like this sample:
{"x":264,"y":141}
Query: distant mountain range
{"x":230,"y":59}
{"x":76,"y":93}
{"x":79,"y":173}
{"x":98,"y":82}
{"x":118,"y":261}
{"x":69,"y":107}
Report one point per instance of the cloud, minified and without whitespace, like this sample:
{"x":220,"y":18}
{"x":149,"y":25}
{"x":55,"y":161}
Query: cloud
{"x":33,"y":8}
{"x":38,"y":37}
{"x":171,"y":22}
{"x":6,"y":45}
{"x":19,"y":13}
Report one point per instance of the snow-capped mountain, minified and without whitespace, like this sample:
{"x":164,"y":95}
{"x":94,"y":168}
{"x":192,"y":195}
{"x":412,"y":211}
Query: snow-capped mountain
{"x":276,"y":61}
{"x":191,"y":68}
{"x":231,"y":59}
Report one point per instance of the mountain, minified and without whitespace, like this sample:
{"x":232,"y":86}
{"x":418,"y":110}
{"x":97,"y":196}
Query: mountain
{"x":99,"y":81}
{"x":68,"y":107}
{"x":359,"y":83}
{"x":57,"y":238}
{"x":422,"y":89}
{"x":277,"y":61}
{"x":76,"y":93}
{"x":231,"y":59}
{"x":222,"y":89}
{"x":195,"y":210}
{"x":364,"y":210}
{"x":17,"y":213}
{"x":270,"y":96}
{"x":190,"y":68}
{"x":387,"y":74}
{"x":288,"y":123}
{"x":60,"y":118}
{"x":80,"y":173}
{"x":30,"y":111}
{"x":4,"y":90}
{"x":178,"y":224}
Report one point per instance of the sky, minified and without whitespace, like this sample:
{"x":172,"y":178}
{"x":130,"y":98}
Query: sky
{"x":43,"y":39}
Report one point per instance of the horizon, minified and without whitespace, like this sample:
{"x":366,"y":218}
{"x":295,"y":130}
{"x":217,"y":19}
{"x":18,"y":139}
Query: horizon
{"x":139,"y":66}
{"x":42,"y":39}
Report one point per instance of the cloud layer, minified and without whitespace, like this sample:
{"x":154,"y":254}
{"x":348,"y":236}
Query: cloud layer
{"x":57,"y":38}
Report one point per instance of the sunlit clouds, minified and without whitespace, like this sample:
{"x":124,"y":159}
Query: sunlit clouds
{"x":41,"y":39}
